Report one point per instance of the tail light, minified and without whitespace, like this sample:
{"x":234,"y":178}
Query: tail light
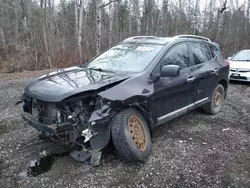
{"x":227,"y":62}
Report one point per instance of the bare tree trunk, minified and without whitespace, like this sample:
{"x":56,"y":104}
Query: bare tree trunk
{"x":147,"y":2}
{"x":111,"y":19}
{"x":98,"y":26}
{"x":45,"y":35}
{"x":220,"y":20}
{"x":247,"y":23}
{"x":17,"y":18}
{"x":248,"y":10}
{"x":80,"y":31}
{"x":36,"y":57}
{"x":178,"y":18}
{"x":159,"y":18}
{"x":130,"y":18}
{"x":2,"y":44}
{"x":2,"y":38}
{"x":196,"y":16}
{"x":76,"y":18}
{"x":228,"y":33}
{"x":204,"y":15}
{"x":137,"y":16}
{"x":50,"y":30}
{"x":236,"y":38}
{"x":85,"y":33}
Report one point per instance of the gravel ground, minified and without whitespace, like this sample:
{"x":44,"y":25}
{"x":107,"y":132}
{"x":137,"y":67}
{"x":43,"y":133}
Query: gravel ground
{"x":195,"y":150}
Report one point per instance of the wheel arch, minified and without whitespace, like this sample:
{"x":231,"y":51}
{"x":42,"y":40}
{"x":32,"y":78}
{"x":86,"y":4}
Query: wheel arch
{"x":224,"y":83}
{"x":146,"y":115}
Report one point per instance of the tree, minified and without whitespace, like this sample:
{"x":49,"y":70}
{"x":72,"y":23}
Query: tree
{"x":37,"y":35}
{"x":79,"y":24}
{"x":44,"y":6}
{"x":98,"y":25}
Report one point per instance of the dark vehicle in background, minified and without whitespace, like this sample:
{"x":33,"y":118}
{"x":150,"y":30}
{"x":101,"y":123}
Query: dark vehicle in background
{"x":240,"y":66}
{"x":125,"y":92}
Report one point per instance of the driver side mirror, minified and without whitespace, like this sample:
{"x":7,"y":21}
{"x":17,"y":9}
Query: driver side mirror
{"x":229,"y":58}
{"x":170,"y":71}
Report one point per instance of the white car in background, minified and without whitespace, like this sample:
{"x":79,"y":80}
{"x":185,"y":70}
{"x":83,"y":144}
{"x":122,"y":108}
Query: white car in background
{"x":240,"y":66}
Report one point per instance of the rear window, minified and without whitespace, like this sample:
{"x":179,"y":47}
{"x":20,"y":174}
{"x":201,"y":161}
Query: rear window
{"x":200,"y":52}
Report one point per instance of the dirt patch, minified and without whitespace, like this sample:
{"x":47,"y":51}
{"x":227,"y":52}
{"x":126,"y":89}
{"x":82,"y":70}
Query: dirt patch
{"x":10,"y":125}
{"x":3,"y":127}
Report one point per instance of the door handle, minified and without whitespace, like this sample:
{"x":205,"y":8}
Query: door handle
{"x":216,"y":71}
{"x":191,"y":79}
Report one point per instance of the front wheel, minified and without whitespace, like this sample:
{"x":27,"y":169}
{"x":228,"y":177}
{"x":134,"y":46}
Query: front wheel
{"x":217,"y":101}
{"x":131,"y":136}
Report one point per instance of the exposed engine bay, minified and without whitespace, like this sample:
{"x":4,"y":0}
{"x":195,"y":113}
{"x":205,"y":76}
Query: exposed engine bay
{"x":69,"y":122}
{"x":66,"y":119}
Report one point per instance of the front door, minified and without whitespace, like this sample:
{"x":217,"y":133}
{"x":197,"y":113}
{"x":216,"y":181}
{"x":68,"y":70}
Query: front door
{"x":173,"y":93}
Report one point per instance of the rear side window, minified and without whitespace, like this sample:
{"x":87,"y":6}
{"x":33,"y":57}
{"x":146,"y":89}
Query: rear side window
{"x":215,"y":52}
{"x":177,"y":55}
{"x":200,"y":52}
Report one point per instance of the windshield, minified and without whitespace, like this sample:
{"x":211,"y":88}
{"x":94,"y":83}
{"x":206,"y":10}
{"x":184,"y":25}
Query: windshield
{"x":126,"y":57}
{"x":241,"y":56}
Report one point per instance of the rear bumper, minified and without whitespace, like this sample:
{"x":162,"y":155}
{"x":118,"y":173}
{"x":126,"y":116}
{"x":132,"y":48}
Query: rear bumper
{"x":240,"y":76}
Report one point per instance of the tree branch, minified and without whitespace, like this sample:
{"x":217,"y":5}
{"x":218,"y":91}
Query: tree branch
{"x":111,"y":1}
{"x":224,"y":7}
{"x":7,"y":6}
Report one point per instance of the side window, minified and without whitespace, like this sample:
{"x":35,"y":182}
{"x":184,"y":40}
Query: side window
{"x":200,"y":52}
{"x":215,"y":52}
{"x":177,"y":55}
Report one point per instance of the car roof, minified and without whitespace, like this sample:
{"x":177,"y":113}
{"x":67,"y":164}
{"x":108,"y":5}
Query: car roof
{"x":162,"y":40}
{"x":148,"y":39}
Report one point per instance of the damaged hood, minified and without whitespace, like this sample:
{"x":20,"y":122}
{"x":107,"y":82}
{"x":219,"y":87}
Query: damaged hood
{"x":58,"y":85}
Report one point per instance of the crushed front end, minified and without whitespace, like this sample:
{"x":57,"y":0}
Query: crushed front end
{"x":80,"y":121}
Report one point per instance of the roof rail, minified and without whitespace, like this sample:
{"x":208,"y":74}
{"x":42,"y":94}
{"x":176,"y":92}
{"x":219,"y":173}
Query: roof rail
{"x":139,"y":37}
{"x":193,"y":36}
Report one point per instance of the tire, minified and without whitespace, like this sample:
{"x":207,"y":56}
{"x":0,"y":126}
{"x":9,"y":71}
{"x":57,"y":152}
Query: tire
{"x":123,"y":127}
{"x":217,"y":101}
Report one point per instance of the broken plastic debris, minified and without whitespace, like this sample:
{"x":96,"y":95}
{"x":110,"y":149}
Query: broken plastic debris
{"x":33,"y":162}
{"x":23,"y":174}
{"x":226,"y":129}
{"x":43,"y":153}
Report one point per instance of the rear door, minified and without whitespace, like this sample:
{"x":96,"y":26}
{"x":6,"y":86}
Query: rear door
{"x":173,"y":93}
{"x":205,"y":70}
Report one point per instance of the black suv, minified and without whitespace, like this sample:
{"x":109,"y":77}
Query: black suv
{"x":125,"y":92}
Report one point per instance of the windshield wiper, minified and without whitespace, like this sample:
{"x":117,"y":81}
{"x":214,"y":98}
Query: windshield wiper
{"x":100,"y":69}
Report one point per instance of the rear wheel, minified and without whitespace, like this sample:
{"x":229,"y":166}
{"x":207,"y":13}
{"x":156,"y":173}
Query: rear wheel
{"x":217,"y":101}
{"x":131,"y":136}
